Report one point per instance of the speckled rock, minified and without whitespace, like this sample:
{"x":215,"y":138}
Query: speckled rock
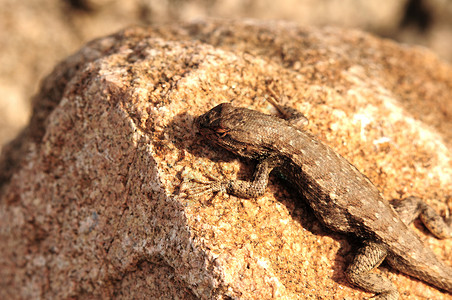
{"x":93,"y":200}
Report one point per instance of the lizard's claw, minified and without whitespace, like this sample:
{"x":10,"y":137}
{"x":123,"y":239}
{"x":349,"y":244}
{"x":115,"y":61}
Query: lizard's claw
{"x":207,"y":187}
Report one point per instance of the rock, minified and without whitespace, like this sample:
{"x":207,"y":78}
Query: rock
{"x":92,"y":193}
{"x":37,"y":34}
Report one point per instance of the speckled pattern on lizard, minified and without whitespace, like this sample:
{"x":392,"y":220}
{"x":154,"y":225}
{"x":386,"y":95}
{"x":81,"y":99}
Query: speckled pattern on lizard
{"x":341,"y":197}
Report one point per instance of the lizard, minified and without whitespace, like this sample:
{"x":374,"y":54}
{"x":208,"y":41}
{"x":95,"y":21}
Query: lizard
{"x":341,"y":197}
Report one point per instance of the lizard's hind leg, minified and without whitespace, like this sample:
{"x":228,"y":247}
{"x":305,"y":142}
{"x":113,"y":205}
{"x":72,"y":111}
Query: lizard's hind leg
{"x":370,"y":256}
{"x":410,"y":208}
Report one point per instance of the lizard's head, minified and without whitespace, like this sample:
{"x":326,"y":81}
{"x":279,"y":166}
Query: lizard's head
{"x":231,"y":128}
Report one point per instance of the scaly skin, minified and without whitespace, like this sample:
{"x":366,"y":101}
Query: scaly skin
{"x":341,"y":197}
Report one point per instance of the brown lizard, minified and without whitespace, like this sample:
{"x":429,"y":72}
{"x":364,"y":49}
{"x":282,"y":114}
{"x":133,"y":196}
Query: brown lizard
{"x":341,"y":197}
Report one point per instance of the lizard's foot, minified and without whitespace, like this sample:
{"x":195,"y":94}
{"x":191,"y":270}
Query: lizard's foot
{"x":360,"y":273}
{"x":207,"y":187}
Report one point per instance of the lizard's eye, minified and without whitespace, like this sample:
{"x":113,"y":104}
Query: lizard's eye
{"x":221,"y":132}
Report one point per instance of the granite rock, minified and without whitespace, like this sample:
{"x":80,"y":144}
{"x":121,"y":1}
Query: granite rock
{"x":93,"y":200}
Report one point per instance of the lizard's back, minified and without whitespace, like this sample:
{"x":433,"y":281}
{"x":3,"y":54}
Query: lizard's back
{"x":345,"y":200}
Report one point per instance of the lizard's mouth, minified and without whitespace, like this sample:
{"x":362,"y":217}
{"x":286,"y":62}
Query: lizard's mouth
{"x":201,"y":125}
{"x":207,"y":123}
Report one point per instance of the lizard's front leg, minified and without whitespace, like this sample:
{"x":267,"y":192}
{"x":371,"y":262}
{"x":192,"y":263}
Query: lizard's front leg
{"x":242,"y":188}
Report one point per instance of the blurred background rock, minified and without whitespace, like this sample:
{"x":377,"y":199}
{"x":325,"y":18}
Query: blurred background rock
{"x":36,"y":34}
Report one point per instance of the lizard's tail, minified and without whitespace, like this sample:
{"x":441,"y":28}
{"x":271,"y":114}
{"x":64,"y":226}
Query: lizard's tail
{"x":425,"y":266}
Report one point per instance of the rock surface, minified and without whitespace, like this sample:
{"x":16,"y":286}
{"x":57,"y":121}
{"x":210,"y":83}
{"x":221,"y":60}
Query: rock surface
{"x":38,"y":34}
{"x":92,"y":193}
